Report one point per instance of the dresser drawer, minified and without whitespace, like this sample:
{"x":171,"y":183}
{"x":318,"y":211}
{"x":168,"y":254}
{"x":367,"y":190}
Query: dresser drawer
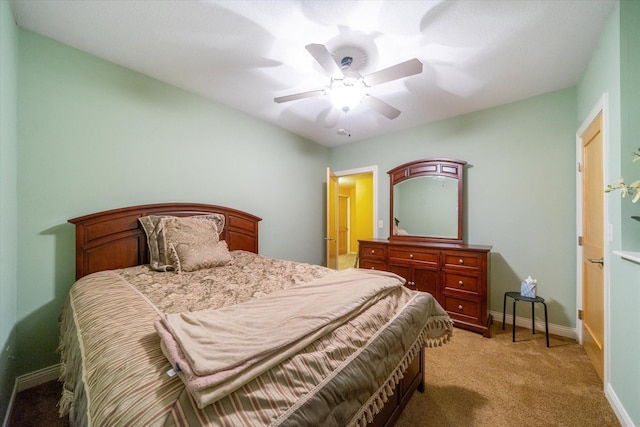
{"x":461,"y":282}
{"x":372,"y":264}
{"x":372,"y":251}
{"x":462,"y":259}
{"x":462,"y":309}
{"x":414,"y":255}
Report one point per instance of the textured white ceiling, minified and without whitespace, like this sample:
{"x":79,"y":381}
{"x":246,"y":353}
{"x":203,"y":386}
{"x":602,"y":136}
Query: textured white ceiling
{"x":476,"y":53}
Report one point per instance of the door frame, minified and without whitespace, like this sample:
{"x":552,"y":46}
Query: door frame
{"x":348,"y":213}
{"x":374,"y":171}
{"x":601,"y":106}
{"x":331,"y":236}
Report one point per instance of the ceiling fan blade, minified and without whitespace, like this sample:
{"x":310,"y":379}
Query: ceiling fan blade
{"x":301,"y":95}
{"x":324,"y":58}
{"x":381,"y":107}
{"x":332,"y":118}
{"x":398,"y":71}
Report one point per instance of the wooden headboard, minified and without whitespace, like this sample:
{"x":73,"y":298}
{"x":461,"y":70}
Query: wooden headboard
{"x":115,"y":239}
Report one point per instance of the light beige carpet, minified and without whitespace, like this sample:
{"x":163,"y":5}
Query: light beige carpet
{"x":475,"y":381}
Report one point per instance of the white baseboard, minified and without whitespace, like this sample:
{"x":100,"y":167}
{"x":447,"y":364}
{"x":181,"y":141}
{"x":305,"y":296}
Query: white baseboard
{"x":5,"y":423}
{"x":36,"y":378}
{"x":32,"y":379}
{"x":525,"y":322}
{"x":621,"y":413}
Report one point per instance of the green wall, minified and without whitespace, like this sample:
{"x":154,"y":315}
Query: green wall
{"x":520,"y":195}
{"x":8,"y":202}
{"x":630,"y":107}
{"x":96,"y":136}
{"x":614,"y":70}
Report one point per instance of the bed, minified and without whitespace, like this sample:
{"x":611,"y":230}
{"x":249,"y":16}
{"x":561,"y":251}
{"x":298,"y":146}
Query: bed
{"x":302,"y":344}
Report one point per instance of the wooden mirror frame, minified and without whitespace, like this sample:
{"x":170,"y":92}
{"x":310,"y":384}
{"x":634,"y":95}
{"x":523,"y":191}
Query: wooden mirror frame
{"x":450,"y":168}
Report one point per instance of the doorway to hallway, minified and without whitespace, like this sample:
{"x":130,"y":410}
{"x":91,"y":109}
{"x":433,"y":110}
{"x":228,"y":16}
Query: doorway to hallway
{"x":357,"y":212}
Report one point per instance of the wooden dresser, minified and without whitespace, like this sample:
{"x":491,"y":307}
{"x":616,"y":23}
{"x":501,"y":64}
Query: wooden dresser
{"x":455,"y":274}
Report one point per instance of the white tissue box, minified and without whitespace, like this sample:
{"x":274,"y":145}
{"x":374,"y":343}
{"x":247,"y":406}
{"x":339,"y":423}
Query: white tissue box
{"x":528,"y":289}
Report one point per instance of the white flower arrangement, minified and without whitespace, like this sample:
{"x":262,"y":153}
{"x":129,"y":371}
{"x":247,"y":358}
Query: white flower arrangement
{"x":633,"y":189}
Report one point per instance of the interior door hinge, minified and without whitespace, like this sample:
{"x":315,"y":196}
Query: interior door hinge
{"x":580,"y":314}
{"x":579,"y":240}
{"x":579,"y":167}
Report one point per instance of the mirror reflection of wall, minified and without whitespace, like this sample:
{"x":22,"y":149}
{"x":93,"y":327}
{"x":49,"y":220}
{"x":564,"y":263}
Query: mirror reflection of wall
{"x":426,"y":206}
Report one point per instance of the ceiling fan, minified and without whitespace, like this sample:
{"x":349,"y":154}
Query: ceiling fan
{"x":348,"y":87}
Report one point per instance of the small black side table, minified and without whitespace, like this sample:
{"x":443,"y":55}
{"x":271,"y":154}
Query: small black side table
{"x":518,"y":297}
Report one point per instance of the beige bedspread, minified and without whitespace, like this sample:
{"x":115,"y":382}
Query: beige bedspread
{"x":115,"y":372}
{"x":222,"y":349}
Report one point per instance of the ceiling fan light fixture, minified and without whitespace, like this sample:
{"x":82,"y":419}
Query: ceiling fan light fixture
{"x":348,"y":87}
{"x":347,"y":93}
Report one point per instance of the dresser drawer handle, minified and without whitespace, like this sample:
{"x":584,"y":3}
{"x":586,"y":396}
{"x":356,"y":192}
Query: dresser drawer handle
{"x":373,"y":268}
{"x":460,"y":261}
{"x":461,"y":283}
{"x":460,"y":307}
{"x":411,"y":256}
{"x":373,"y":251}
{"x":411,"y":284}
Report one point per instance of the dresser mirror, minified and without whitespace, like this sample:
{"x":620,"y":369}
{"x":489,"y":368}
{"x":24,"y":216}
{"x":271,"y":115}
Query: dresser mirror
{"x":426,"y":201}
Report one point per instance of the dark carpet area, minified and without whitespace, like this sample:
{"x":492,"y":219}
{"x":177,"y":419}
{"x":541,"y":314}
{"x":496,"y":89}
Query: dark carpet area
{"x":36,"y":407}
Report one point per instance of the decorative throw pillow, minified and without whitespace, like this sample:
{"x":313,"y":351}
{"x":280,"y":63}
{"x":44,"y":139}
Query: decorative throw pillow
{"x":152,"y":227}
{"x":218,"y":220}
{"x":192,"y":243}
